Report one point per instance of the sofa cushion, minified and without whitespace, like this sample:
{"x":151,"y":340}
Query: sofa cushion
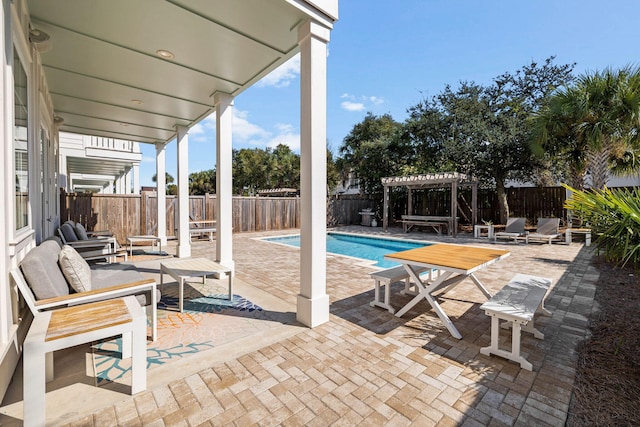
{"x":81,"y":232}
{"x":68,"y":232}
{"x":105,"y":275}
{"x":42,"y":272}
{"x":75,"y":269}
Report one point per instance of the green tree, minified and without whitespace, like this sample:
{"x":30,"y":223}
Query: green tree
{"x":250,"y":170}
{"x":374,"y":149}
{"x":171,"y":188}
{"x":285,"y":168}
{"x":202,"y":182}
{"x":593,"y":125}
{"x":483,"y":130}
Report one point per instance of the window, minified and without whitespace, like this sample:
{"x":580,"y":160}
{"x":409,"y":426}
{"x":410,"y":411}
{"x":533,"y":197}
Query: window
{"x":20,"y":142}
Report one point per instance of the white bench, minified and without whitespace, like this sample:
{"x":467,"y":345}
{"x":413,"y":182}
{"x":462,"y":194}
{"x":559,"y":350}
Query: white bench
{"x":516,"y":303}
{"x":202,"y":227}
{"x":386,"y":278}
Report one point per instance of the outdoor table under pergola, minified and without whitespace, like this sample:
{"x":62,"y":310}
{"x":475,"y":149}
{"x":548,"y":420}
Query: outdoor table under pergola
{"x":451,"y":180}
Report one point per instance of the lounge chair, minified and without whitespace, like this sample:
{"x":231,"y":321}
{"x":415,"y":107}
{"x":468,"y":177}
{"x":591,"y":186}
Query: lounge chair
{"x":101,"y":247}
{"x":514,"y":230}
{"x":51,"y":276}
{"x":547,"y":230}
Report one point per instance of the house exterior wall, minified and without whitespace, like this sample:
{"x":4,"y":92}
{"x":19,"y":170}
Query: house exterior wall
{"x":41,"y":210}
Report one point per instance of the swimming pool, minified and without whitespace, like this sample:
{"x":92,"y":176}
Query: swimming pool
{"x":364,"y":247}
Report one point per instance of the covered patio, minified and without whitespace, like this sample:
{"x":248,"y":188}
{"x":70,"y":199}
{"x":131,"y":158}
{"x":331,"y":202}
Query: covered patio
{"x":149,"y":71}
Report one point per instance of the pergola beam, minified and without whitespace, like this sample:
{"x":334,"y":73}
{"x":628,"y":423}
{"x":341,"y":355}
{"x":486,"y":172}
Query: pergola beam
{"x":453,"y":180}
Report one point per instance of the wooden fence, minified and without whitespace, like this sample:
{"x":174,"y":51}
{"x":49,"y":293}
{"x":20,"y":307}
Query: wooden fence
{"x":128,"y":215}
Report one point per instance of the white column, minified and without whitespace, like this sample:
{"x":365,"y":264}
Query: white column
{"x":184,"y":242}
{"x":161,"y":193}
{"x":224,"y":189}
{"x":313,"y":301}
{"x":119,"y":184}
{"x":136,"y":179}
{"x":127,"y":181}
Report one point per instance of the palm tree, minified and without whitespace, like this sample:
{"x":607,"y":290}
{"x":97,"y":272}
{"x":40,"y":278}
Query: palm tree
{"x":594,"y":126}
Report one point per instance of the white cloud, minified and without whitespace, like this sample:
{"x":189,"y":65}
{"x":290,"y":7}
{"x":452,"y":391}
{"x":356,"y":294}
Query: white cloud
{"x":148,"y":159}
{"x":359,"y":103}
{"x":352,"y":106}
{"x":244,"y":130}
{"x":282,"y":76}
{"x":248,"y":134}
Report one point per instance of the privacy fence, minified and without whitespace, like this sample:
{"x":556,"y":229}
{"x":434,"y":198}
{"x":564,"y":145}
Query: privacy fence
{"x":128,"y":215}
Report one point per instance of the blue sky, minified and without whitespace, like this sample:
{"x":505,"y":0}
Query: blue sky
{"x":386,"y":56}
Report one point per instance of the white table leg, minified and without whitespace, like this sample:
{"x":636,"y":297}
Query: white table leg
{"x":181,"y":294}
{"x":34,"y":402}
{"x":139,"y":356}
{"x":480,"y":286}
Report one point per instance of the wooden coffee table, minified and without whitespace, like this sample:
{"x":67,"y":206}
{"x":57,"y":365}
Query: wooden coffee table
{"x":183,"y":269}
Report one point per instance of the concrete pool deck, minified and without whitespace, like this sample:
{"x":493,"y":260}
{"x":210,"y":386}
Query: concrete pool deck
{"x":367,"y":367}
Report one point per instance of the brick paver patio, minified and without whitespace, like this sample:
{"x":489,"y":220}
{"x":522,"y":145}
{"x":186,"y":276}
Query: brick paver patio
{"x":367,"y":367}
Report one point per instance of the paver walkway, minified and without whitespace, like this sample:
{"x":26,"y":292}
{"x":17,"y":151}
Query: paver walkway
{"x":367,"y":367}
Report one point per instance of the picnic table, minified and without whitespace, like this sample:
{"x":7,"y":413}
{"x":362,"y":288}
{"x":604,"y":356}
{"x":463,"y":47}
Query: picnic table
{"x":455,"y":263}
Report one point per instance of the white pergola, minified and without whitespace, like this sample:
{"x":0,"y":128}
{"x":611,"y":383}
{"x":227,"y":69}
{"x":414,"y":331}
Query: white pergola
{"x":451,"y":180}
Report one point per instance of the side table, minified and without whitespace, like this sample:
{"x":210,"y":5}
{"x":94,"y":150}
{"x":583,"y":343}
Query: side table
{"x":146,"y":238}
{"x":478,"y":229}
{"x":71,"y":326}
{"x":586,"y":231}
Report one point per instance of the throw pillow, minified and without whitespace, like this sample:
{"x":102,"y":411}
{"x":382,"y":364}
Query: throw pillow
{"x":75,"y":269}
{"x":68,"y":232}
{"x":81,"y":232}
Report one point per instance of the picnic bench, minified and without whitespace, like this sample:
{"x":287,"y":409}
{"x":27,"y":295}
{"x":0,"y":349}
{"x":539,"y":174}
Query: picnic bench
{"x":516,"y":303}
{"x":435,"y":222}
{"x":201,"y":227}
{"x":386,"y":278}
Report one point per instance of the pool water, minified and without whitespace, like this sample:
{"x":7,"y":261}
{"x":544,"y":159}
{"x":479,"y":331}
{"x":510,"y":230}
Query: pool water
{"x":369,"y":248}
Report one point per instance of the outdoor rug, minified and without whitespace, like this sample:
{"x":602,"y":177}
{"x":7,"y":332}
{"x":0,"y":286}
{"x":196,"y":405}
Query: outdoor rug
{"x":209,"y":320}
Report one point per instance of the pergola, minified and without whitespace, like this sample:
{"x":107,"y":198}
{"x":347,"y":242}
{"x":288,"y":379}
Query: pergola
{"x":452,"y":180}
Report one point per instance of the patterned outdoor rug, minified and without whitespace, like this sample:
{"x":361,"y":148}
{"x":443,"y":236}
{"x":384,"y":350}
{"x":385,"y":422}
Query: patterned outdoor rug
{"x":209,"y":320}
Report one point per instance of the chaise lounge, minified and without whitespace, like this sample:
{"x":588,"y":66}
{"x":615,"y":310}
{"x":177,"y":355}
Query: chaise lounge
{"x":514,"y":230}
{"x":546,"y":230}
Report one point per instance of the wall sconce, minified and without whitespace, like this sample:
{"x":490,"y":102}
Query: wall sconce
{"x":40,"y":39}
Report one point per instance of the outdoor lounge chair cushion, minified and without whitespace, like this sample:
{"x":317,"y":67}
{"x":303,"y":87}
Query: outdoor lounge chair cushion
{"x":68,"y":232}
{"x":81,"y":232}
{"x":42,"y":272}
{"x":75,"y":269}
{"x":104,"y":275}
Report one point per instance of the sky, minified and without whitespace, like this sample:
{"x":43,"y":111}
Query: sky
{"x":385,"y":57}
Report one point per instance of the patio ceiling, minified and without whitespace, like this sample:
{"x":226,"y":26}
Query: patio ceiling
{"x":107,"y":77}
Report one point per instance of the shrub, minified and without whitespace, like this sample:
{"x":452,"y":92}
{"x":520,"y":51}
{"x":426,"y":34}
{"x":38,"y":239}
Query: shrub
{"x":614,"y":218}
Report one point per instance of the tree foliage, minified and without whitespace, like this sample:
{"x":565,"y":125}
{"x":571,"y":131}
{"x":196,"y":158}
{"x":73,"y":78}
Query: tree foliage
{"x":480,"y":130}
{"x":202,"y":182}
{"x":593,"y":125}
{"x":374,"y":149}
{"x":614,"y":218}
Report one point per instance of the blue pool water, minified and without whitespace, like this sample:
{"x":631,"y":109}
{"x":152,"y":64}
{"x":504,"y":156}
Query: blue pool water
{"x":371,"y":248}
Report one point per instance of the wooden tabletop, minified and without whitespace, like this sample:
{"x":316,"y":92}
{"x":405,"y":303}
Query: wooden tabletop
{"x":449,"y":256}
{"x":79,"y":319}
